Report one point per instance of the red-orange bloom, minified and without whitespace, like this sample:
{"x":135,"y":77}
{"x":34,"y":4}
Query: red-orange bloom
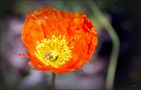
{"x":57,"y":40}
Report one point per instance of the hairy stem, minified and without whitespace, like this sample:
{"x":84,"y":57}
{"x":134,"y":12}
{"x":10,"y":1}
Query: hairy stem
{"x":53,"y":81}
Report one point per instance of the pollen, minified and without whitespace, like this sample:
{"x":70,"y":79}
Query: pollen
{"x":54,"y":51}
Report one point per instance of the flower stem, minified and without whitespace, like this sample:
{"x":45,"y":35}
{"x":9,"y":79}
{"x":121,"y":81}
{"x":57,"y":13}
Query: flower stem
{"x":116,"y":45}
{"x":53,"y":81}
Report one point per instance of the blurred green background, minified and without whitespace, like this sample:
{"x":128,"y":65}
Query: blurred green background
{"x":115,"y":65}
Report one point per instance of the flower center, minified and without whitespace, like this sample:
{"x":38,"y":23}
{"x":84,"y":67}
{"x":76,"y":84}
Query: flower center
{"x":51,"y":56}
{"x":54,"y":51}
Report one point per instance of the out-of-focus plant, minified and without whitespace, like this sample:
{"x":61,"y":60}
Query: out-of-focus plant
{"x":116,"y":44}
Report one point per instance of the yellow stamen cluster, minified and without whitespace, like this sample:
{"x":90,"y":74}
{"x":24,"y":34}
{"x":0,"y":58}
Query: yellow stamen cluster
{"x":53,"y":51}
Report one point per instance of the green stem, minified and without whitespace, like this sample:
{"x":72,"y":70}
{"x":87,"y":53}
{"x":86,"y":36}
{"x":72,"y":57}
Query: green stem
{"x":116,"y":45}
{"x":53,"y":81}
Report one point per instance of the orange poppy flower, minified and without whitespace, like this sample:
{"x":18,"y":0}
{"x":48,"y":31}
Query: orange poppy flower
{"x":57,"y":40}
